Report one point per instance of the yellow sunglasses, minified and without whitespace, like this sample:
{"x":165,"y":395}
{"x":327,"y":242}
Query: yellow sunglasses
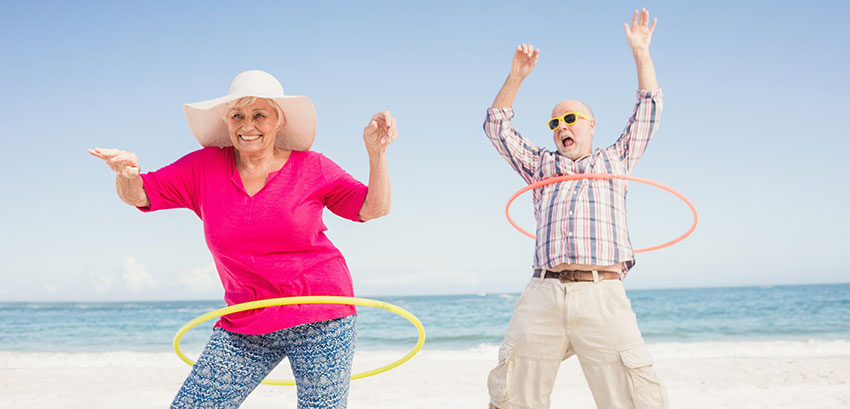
{"x":569,"y":118}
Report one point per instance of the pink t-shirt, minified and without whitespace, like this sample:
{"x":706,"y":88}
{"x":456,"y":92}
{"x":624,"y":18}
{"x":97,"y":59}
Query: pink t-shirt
{"x":271,"y":244}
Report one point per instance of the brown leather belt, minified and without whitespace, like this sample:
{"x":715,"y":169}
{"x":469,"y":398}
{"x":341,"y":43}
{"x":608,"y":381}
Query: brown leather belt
{"x":577,"y":275}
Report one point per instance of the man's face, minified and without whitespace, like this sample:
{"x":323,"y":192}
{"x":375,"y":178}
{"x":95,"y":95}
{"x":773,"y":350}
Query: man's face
{"x":576,"y":140}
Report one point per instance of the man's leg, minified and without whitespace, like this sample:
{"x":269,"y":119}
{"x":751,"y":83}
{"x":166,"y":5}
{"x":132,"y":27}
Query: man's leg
{"x":532,"y":350}
{"x":613,"y":356}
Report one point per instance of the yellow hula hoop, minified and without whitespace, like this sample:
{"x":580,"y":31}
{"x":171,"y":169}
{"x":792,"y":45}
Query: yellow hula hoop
{"x":307,"y":300}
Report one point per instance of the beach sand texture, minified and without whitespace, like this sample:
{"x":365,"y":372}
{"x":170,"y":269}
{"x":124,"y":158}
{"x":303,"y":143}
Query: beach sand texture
{"x":769,"y":374}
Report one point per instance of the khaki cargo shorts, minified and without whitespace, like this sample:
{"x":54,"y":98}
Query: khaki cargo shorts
{"x":555,"y":320}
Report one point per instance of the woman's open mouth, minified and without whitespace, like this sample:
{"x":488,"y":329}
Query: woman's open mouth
{"x":250,"y":138}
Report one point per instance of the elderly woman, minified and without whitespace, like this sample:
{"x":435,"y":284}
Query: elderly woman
{"x":260,"y":193}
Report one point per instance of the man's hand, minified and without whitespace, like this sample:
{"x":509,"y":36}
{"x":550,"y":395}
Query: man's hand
{"x":640,"y":33}
{"x":525,"y":58}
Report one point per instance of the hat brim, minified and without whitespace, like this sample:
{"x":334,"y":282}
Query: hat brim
{"x":206,"y":121}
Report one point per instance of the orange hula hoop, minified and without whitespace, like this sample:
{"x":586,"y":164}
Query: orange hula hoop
{"x":606,"y":176}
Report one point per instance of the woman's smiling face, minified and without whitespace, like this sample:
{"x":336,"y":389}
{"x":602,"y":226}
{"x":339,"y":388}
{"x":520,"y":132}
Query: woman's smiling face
{"x":253,"y":127}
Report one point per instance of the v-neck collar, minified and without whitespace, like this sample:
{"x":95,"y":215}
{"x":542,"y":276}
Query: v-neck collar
{"x":236,"y":178}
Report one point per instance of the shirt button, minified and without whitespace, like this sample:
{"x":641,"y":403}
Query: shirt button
{"x":571,"y":212}
{"x":571,"y":234}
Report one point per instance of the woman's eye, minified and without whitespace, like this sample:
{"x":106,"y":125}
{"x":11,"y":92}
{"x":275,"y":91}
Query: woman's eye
{"x":236,"y":116}
{"x":259,"y":115}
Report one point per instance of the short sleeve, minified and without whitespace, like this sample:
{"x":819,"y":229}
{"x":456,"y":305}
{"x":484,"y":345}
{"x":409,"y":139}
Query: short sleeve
{"x":175,"y":185}
{"x":344,"y":195}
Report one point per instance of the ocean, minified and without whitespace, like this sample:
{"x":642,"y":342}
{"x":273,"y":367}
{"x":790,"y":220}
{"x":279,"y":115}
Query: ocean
{"x":809,"y":313}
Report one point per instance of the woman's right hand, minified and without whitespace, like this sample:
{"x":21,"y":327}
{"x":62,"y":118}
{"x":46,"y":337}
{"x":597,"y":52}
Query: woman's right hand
{"x":121,"y":162}
{"x":128,"y":183}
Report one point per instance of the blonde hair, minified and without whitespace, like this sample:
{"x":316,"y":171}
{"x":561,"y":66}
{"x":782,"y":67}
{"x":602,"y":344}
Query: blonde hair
{"x":241,"y":102}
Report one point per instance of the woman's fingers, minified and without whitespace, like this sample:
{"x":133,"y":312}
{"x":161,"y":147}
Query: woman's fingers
{"x":124,"y":159}
{"x":381,"y":130}
{"x":123,"y":162}
{"x":130,"y":171}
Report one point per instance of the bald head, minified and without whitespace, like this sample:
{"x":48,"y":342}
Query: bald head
{"x":569,"y":105}
{"x":574,"y":141}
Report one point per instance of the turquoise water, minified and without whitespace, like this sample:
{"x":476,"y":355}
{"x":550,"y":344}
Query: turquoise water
{"x":452,"y":322}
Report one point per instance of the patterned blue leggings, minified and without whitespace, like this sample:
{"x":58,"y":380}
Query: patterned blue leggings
{"x":232,"y":365}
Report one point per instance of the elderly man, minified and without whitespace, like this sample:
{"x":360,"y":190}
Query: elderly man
{"x":575,"y":303}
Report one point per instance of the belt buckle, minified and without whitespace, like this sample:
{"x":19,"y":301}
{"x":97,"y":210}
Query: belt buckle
{"x":566,"y":276}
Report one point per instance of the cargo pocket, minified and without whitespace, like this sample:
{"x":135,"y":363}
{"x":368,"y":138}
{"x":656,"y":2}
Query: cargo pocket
{"x":645,"y":387}
{"x":499,"y":379}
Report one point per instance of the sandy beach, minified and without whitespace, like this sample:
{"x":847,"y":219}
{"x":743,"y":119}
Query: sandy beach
{"x":769,"y":374}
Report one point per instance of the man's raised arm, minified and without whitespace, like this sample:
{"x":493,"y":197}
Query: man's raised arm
{"x":639,"y":35}
{"x":525,"y":58}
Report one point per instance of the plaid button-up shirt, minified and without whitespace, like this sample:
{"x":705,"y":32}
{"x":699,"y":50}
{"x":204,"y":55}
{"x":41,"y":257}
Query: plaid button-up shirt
{"x":579,"y":221}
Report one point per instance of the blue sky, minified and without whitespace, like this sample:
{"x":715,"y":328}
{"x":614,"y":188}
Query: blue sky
{"x":753,"y":132}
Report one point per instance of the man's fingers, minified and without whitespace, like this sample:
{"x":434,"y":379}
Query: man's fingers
{"x":525,"y":52}
{"x":634,"y":18}
{"x":654,"y":22}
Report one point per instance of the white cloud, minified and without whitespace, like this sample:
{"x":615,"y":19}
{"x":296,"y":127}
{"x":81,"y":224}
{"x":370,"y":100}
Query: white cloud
{"x":101,"y":283}
{"x":136,"y":276}
{"x":200,"y":279}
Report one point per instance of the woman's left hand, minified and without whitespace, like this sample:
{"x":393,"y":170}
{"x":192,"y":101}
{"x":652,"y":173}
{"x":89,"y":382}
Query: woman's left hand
{"x":380,"y":132}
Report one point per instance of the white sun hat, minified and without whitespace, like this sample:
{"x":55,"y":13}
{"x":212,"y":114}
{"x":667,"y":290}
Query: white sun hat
{"x":206,"y":118}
